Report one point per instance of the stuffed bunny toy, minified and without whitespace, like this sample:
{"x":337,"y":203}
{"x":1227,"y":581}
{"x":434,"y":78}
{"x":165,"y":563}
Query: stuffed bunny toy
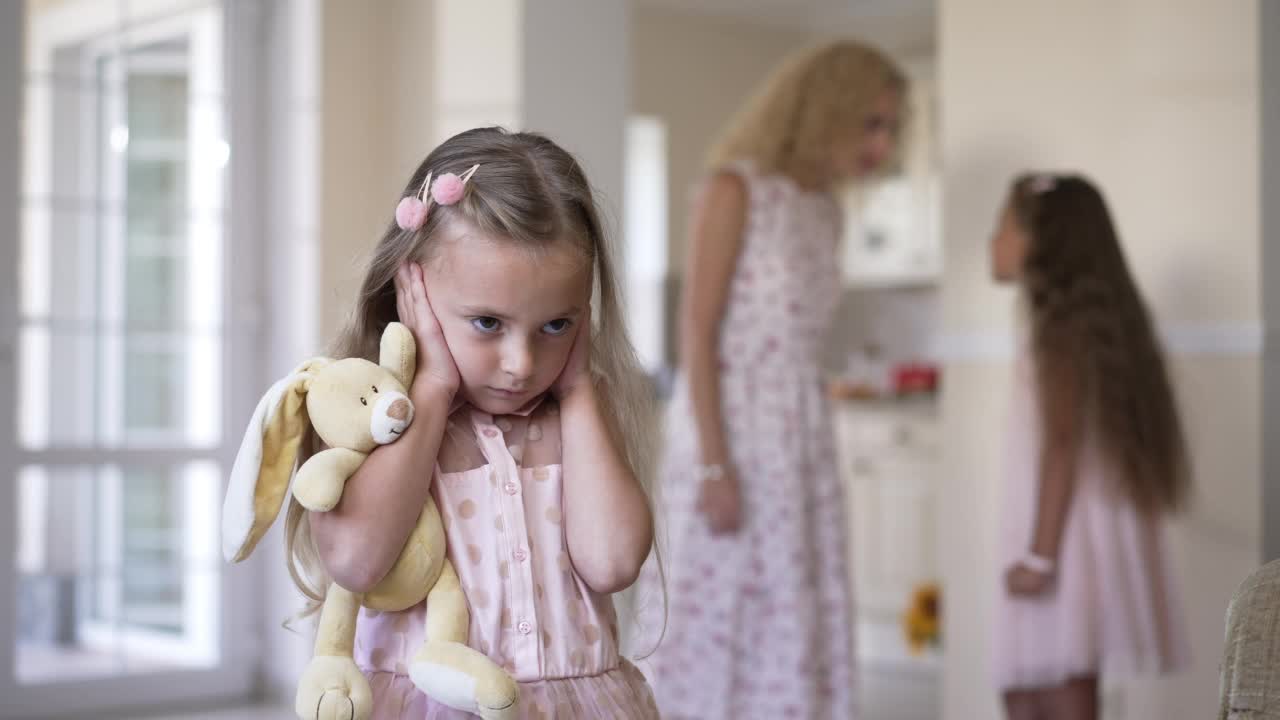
{"x":355,"y":406}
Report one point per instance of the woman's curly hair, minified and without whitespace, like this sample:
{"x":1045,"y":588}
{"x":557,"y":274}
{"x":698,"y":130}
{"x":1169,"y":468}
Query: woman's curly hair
{"x":788,"y":126}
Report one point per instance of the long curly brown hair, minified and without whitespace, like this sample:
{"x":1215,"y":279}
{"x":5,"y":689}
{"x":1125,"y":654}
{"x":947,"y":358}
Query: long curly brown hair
{"x":1092,"y":332}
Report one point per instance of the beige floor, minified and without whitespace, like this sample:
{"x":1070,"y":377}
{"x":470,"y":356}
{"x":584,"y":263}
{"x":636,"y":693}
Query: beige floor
{"x":886,"y":695}
{"x":243,"y":713}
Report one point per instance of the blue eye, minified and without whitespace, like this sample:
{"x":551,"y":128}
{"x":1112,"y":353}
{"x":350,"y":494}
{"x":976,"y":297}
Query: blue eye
{"x":486,"y":324}
{"x":557,"y":327}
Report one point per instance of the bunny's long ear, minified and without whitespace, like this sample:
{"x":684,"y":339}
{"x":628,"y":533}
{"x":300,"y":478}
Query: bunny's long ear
{"x":265,"y":463}
{"x":398,"y":353}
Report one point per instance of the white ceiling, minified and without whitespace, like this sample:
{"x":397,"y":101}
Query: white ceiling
{"x":894,"y":24}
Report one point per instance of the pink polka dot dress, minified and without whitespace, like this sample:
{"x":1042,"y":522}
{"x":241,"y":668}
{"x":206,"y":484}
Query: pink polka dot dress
{"x":498,"y":486}
{"x":760,"y":622}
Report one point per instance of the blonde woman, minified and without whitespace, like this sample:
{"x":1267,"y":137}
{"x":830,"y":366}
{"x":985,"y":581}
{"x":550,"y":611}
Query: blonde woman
{"x":760,"y":614}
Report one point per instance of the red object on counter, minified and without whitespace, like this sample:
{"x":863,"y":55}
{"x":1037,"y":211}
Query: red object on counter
{"x":912,"y":378}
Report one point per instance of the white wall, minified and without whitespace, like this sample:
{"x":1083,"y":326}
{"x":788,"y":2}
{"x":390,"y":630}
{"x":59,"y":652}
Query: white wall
{"x":474,"y":94}
{"x":1158,"y":101}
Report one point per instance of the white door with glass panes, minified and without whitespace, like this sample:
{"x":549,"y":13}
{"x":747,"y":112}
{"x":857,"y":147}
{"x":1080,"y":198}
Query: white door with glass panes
{"x":122,"y":350}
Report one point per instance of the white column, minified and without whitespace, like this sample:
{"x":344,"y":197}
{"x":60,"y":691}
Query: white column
{"x":291,"y":312}
{"x":12,"y":20}
{"x":1269,"y":33}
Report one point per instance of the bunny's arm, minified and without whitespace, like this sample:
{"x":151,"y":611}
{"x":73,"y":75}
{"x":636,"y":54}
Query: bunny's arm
{"x":361,"y":538}
{"x":320,"y":480}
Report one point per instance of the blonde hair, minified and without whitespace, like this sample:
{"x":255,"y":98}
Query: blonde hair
{"x":790,"y":123}
{"x":532,"y":193}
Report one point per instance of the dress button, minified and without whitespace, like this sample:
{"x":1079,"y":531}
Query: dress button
{"x":511,"y":488}
{"x":525,"y":627}
{"x":521,"y":555}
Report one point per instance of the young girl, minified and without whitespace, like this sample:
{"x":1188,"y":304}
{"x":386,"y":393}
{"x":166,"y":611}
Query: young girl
{"x":528,"y":431}
{"x":761,"y":618}
{"x":1095,"y":460}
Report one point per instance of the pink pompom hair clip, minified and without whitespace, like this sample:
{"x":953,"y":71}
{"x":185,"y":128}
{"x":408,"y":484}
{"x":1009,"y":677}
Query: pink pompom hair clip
{"x":412,"y":211}
{"x":447,"y":189}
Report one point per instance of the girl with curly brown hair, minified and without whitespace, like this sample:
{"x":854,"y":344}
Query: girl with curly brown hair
{"x":1095,"y":461}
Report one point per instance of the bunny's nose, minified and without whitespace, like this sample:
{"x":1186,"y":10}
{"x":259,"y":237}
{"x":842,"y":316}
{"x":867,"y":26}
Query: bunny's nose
{"x":399,"y":410}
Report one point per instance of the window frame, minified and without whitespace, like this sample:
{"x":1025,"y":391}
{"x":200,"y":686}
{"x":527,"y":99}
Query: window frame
{"x":244,"y":53}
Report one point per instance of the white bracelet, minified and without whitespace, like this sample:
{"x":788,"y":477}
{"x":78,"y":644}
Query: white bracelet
{"x":702,"y":473}
{"x":1038,"y":563}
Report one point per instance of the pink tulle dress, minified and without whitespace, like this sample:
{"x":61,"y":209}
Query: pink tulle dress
{"x":1115,"y":609}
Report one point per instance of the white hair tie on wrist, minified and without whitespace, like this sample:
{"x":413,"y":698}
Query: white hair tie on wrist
{"x":1038,"y":563}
